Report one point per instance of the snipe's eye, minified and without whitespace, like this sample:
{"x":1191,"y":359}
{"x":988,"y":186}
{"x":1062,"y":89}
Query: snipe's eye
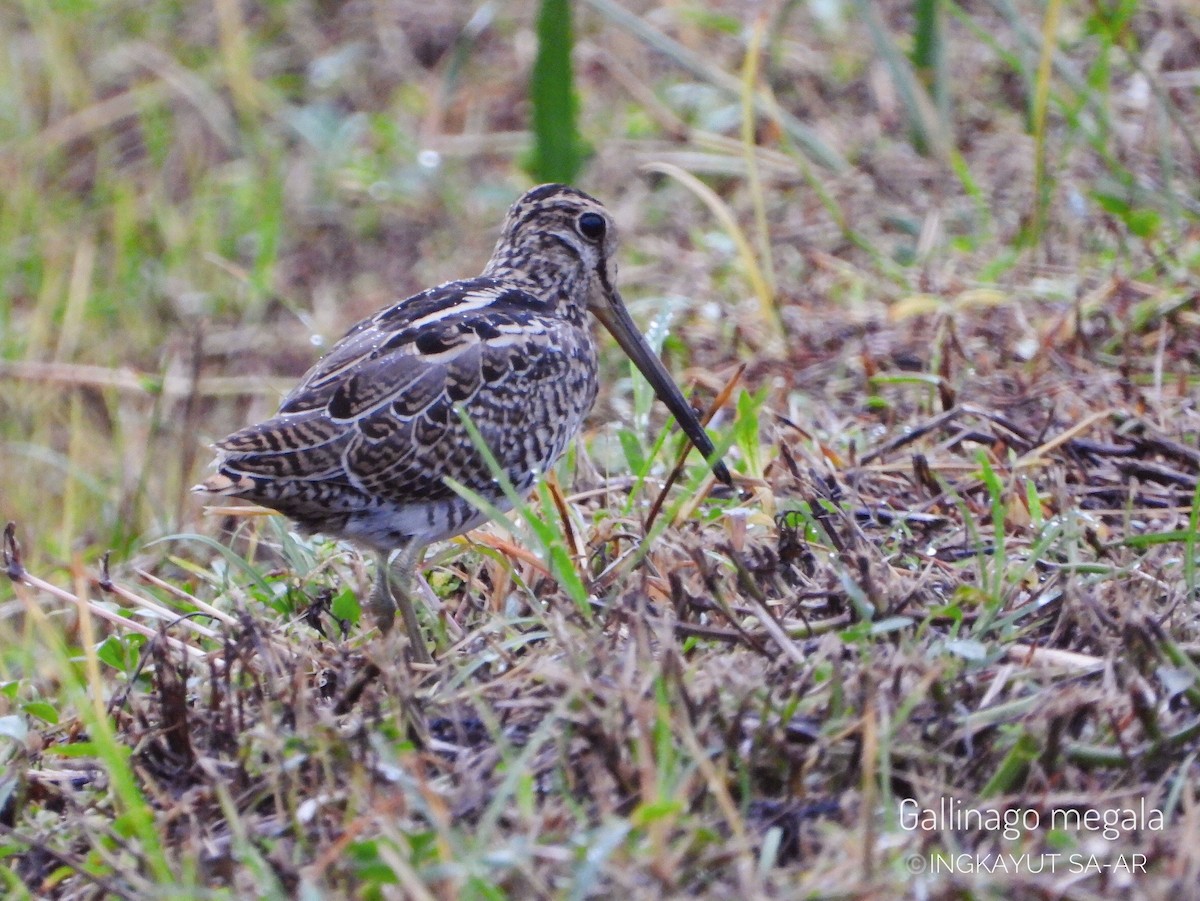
{"x":591,"y":226}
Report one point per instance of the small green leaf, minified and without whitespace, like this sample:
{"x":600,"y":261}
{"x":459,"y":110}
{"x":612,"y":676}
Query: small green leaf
{"x":368,"y":867}
{"x":113,"y":652}
{"x":1143,"y":223}
{"x":653,"y":811}
{"x":75,"y":749}
{"x":345,"y":606}
{"x":1010,"y":775}
{"x":634,"y":457}
{"x":1034,"y":502}
{"x":714,"y":21}
{"x":747,"y":430}
{"x":1111,"y":203}
{"x":44,"y":711}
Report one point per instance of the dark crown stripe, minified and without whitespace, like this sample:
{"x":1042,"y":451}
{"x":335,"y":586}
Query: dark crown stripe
{"x":543,"y":191}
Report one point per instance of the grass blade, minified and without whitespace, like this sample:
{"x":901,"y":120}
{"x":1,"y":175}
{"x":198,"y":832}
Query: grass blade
{"x":557,"y":149}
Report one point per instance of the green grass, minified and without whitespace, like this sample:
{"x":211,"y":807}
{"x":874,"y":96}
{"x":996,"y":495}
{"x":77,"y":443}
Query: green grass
{"x":954,"y":247}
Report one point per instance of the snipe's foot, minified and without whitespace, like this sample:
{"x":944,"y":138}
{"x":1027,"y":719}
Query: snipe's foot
{"x":389,"y":596}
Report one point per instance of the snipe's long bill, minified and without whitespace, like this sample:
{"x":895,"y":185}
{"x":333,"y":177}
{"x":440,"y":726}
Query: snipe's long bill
{"x":362,"y":447}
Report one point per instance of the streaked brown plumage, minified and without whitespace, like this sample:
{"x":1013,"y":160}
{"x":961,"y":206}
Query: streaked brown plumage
{"x":361,"y":448}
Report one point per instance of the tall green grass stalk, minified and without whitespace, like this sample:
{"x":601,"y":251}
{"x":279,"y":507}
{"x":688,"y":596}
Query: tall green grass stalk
{"x":558,"y":149}
{"x":929,"y":56}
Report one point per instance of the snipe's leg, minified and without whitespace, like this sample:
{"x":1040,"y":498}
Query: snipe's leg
{"x":390,"y":594}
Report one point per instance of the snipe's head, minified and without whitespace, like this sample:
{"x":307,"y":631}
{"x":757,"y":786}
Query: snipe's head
{"x":562,"y":240}
{"x":565,"y":242}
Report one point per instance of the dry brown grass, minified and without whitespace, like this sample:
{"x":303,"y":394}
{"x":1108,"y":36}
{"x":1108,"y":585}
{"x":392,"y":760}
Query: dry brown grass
{"x":961,"y":563}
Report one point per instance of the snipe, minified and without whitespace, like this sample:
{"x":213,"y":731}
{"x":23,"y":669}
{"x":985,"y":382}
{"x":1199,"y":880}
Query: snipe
{"x":361,"y":448}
